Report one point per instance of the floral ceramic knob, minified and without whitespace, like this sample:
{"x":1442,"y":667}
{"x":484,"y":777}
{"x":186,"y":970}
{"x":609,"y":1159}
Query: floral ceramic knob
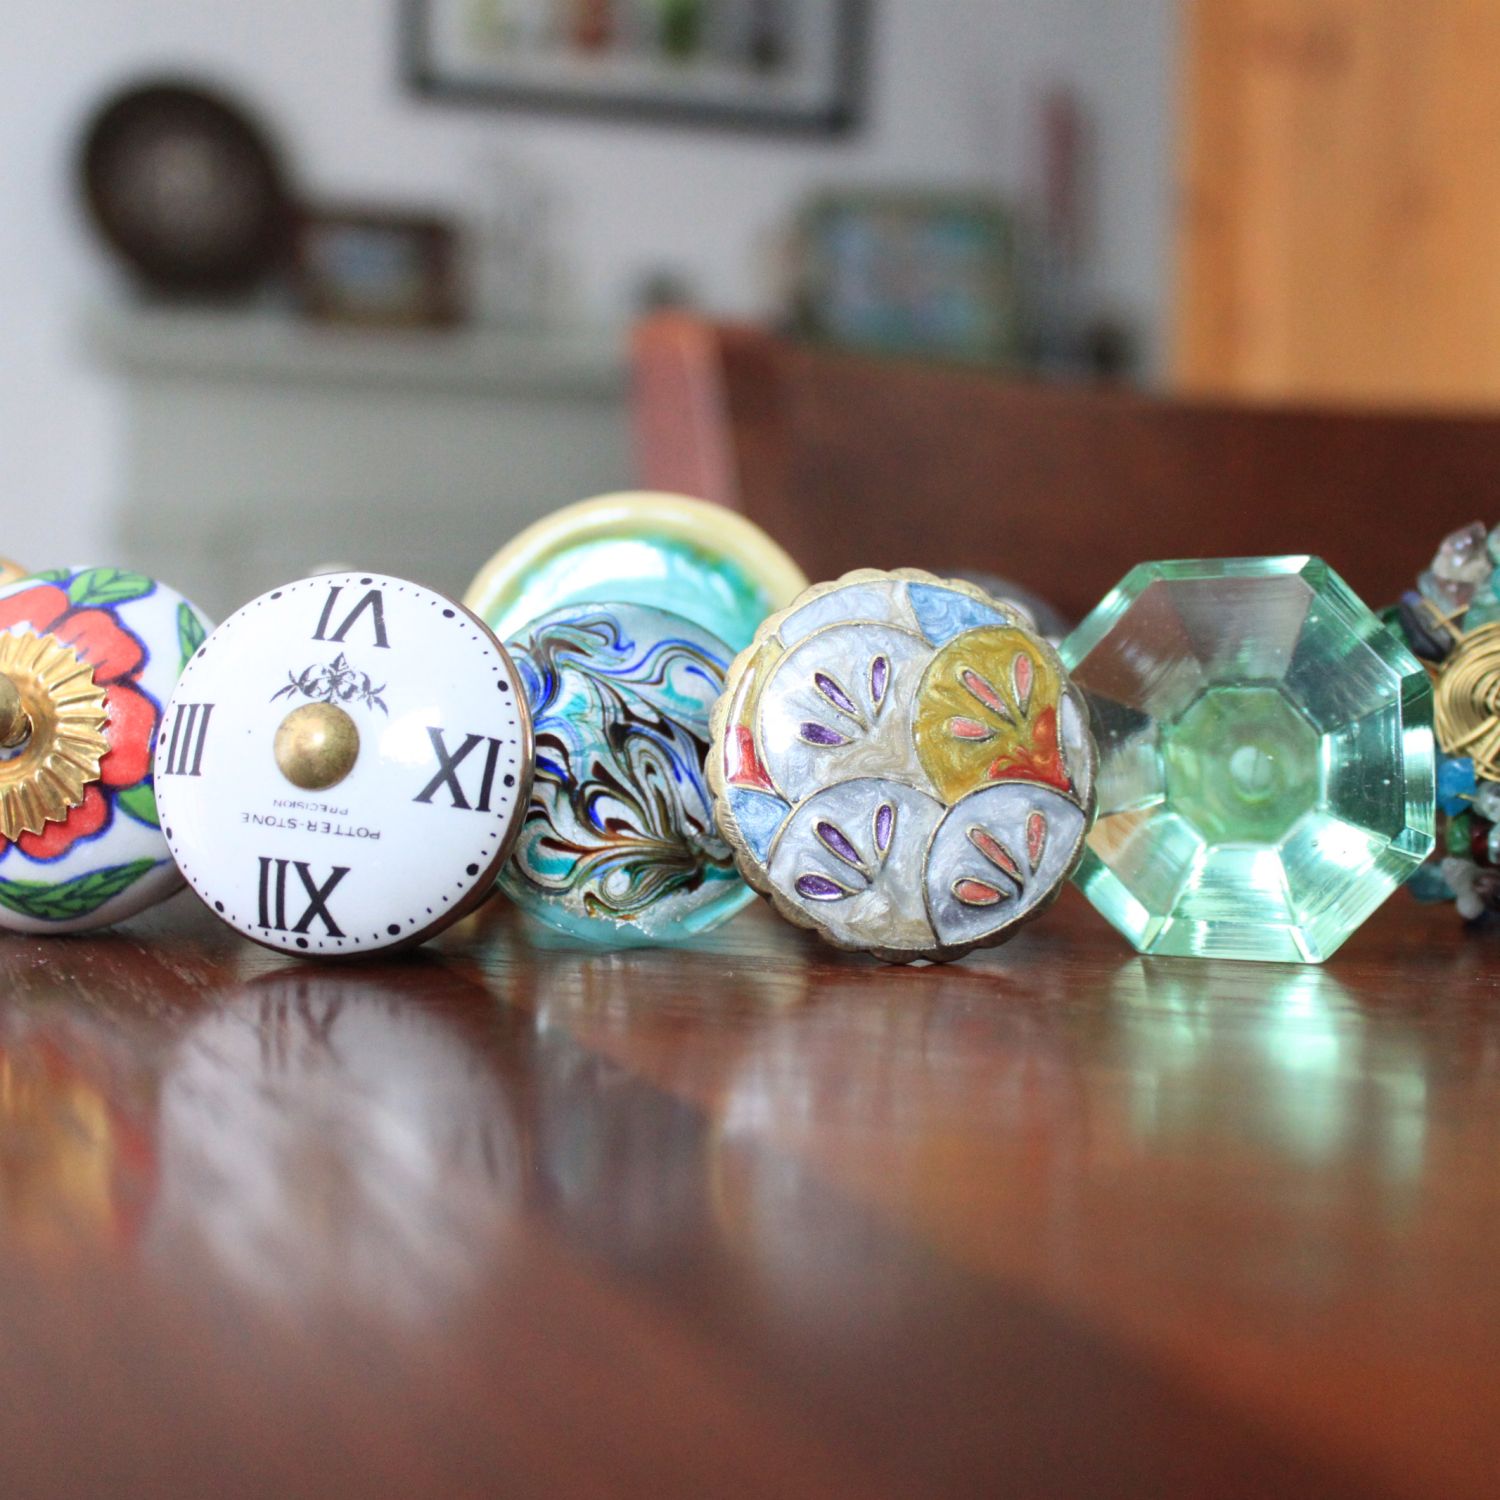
{"x":88,"y":656}
{"x":901,"y":764}
{"x":345,"y":765}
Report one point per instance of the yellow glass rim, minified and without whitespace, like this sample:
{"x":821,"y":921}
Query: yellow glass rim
{"x":711,"y":527}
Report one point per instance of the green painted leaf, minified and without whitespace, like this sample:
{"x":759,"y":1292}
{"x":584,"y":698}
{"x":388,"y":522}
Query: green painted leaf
{"x":52,"y":575}
{"x":190,"y":631}
{"x":105,"y":587}
{"x":47,"y":901}
{"x":140,"y":802}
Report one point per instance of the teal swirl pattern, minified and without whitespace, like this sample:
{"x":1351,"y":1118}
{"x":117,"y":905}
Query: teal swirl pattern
{"x":619,"y":842}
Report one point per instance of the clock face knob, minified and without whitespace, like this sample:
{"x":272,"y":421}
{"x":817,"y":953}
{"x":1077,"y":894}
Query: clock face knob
{"x":345,"y":765}
{"x":88,"y":656}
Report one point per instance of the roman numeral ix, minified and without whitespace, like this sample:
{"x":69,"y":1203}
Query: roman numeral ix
{"x":374,"y":602}
{"x":189,"y":732}
{"x":447,"y":775}
{"x":273,"y":884}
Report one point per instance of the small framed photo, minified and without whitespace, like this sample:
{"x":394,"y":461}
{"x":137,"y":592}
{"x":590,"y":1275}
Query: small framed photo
{"x":373,"y":268}
{"x":771,"y":64}
{"x":916,"y":273}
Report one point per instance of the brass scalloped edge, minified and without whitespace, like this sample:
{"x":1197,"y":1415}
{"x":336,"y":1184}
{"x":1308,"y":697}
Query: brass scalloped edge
{"x":745,"y":860}
{"x":47,"y":778}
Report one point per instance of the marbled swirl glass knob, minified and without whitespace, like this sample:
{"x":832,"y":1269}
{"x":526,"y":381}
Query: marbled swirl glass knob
{"x":345,"y":765}
{"x":619,"y":844}
{"x":698,"y":560}
{"x":901,"y":764}
{"x":87,"y":657}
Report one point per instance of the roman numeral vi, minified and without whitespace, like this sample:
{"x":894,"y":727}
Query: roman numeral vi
{"x":373,"y":601}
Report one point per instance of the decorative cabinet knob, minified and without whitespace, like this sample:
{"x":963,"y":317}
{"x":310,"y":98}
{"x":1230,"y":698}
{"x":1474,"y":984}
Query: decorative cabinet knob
{"x":345,"y":765}
{"x":620,"y":846}
{"x":618,"y":611}
{"x":87,"y":657}
{"x":901,"y":764}
{"x":695,"y":559}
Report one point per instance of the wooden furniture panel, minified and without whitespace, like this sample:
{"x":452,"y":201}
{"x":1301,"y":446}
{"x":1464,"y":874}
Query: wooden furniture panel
{"x":852,"y":462}
{"x":748,"y":1218}
{"x":1340,"y":209}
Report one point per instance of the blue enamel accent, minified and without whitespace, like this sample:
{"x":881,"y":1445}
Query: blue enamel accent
{"x":944,"y":613}
{"x":759,"y":817}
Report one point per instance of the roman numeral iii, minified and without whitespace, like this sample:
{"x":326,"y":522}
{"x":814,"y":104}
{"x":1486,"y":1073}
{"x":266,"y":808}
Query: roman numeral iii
{"x":188,"y":735}
{"x":273,"y":893}
{"x":447,"y":778}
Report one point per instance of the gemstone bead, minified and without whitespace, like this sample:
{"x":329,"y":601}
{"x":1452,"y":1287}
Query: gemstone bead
{"x":1487,"y":801}
{"x":1455,"y":784}
{"x":1425,"y":638}
{"x":1428,"y":885}
{"x":1458,"y":835}
{"x":1266,"y":758}
{"x":1464,"y":556}
{"x":1450,"y":595}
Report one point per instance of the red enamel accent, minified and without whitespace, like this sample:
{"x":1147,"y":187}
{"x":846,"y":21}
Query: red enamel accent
{"x":969,"y":729}
{"x":994,"y":851}
{"x":984,"y":690}
{"x":1036,"y":838}
{"x":977,"y":893}
{"x":1040,"y":761}
{"x":742,"y":765}
{"x":1023,"y":675}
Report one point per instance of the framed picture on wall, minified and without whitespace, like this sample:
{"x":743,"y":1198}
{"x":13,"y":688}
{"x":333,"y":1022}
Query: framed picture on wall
{"x":773,"y":64}
{"x":929,"y":274}
{"x":375,"y":268}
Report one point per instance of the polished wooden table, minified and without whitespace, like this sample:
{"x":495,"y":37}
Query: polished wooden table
{"x":749,"y":1219}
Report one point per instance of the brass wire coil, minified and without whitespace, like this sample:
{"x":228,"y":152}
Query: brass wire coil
{"x":1466,"y":707}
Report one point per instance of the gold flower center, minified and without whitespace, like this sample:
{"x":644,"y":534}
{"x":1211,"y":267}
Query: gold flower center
{"x":57,"y":721}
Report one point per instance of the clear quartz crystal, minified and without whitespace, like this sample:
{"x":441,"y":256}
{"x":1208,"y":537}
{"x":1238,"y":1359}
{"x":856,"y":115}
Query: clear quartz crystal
{"x":1266,"y":769}
{"x":1464,"y":556}
{"x":1450,"y":595}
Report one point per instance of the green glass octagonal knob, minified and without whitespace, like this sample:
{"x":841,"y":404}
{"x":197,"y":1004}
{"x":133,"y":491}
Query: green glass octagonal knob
{"x":1265,"y":758}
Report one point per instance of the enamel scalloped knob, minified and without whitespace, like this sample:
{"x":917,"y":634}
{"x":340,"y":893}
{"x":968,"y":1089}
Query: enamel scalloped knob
{"x":344,"y":765}
{"x":901,"y":764}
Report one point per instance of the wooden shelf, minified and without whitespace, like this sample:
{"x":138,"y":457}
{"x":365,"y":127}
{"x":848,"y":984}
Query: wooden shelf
{"x":263,"y":347}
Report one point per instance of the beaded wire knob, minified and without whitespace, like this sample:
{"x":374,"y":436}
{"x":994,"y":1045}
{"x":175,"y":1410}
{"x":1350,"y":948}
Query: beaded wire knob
{"x":1451,"y":620}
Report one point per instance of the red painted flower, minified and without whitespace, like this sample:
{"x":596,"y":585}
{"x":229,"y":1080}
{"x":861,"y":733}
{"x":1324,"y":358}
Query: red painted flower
{"x":116,"y":656}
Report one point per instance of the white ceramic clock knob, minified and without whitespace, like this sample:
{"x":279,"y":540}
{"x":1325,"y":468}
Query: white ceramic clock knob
{"x":344,"y":765}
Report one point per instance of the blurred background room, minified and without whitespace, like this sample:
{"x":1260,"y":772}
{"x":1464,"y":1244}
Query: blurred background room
{"x":288,"y":284}
{"x":383,"y":280}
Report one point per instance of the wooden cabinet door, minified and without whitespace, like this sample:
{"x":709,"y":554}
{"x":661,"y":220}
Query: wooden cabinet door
{"x":1340,"y":219}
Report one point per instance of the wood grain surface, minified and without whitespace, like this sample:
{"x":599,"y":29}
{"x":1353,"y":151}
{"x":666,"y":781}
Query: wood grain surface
{"x":749,"y":1218}
{"x":1340,"y":198}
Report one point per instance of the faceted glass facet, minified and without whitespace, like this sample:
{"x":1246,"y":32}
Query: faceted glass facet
{"x":1265,"y":758}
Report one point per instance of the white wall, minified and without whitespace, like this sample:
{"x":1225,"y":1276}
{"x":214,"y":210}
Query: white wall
{"x":952,"y":85}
